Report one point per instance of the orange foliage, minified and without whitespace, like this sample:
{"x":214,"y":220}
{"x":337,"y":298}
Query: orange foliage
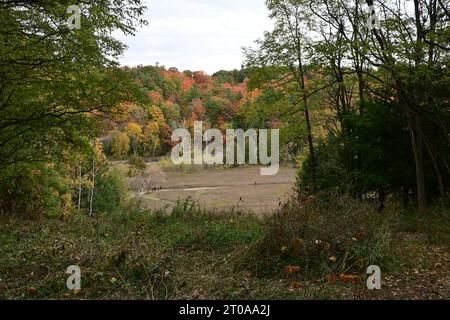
{"x":187,"y":83}
{"x":155,"y":97}
{"x":198,"y":109}
{"x":227,"y":86}
{"x":255,"y":94}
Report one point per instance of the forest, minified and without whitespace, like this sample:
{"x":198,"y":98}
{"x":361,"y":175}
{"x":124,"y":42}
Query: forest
{"x":359,"y":91}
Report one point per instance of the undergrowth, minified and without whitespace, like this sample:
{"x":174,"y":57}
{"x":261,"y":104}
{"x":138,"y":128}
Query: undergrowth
{"x":193,"y":253}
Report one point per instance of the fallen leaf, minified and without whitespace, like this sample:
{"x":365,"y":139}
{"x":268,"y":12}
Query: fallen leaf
{"x":347,"y":278}
{"x":331,"y":278}
{"x":32,"y":291}
{"x":333,"y":258}
{"x":291,"y":269}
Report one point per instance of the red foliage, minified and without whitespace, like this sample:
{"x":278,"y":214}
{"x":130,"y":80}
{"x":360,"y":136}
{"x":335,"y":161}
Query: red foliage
{"x":155,"y":97}
{"x":187,"y":83}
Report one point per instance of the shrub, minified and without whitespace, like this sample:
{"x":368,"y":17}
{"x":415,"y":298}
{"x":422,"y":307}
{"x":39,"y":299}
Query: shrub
{"x":34,"y":190}
{"x":138,"y":162}
{"x":110,"y":192}
{"x":331,"y":174}
{"x":340,"y":236}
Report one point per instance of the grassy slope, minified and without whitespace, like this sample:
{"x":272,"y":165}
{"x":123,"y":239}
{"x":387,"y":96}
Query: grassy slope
{"x":192,"y":256}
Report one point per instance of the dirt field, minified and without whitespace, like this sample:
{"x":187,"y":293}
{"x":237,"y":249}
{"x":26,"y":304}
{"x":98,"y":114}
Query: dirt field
{"x":242,"y":188}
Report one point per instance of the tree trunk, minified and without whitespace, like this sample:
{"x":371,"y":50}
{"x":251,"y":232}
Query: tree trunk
{"x":134,"y":144}
{"x":91,"y":200}
{"x":417,"y":147}
{"x":80,"y":189}
{"x":437,"y":170}
{"x":301,"y":78}
{"x":311,"y":150}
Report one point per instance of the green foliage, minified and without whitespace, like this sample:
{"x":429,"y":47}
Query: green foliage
{"x":381,"y":94}
{"x":138,"y":162}
{"x":385,"y":158}
{"x":331,"y":172}
{"x":57,"y":86}
{"x":274,"y":109}
{"x":120,"y":144}
{"x":34,"y":190}
{"x":216,"y":107}
{"x":113,"y":251}
{"x":374,"y":156}
{"x":110,"y":192}
{"x":190,"y":226}
{"x":235,"y":76}
{"x":54,"y":80}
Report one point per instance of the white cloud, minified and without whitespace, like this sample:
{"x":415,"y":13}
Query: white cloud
{"x":197,"y":34}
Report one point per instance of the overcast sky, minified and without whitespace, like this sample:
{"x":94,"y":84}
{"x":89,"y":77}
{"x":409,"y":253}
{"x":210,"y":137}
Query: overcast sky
{"x":203,"y":35}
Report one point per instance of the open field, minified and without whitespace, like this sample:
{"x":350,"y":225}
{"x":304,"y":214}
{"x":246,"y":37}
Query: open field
{"x":241,"y":188}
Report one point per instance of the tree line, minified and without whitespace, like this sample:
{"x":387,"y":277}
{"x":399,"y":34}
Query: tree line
{"x":379,"y":74}
{"x":363,"y":107}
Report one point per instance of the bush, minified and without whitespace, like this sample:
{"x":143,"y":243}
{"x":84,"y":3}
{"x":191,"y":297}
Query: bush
{"x":340,"y":236}
{"x":138,"y":162}
{"x":34,"y":190}
{"x":110,"y":192}
{"x":331,"y":174}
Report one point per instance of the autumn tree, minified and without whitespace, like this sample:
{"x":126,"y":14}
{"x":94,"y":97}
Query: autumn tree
{"x":282,"y":58}
{"x":56,"y":83}
{"x":134,"y":132}
{"x":120,"y":144}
